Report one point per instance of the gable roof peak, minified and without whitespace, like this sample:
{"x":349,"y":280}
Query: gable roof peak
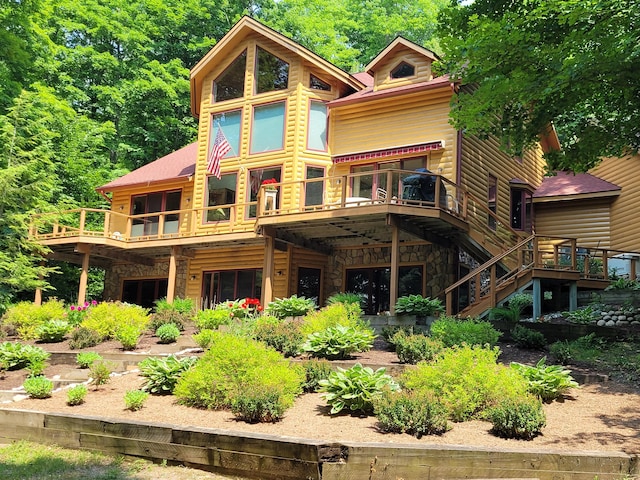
{"x":398,"y":43}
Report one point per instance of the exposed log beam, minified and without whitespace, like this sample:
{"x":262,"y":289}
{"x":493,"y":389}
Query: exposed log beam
{"x":129,"y":257}
{"x":417,"y":231}
{"x":77,"y":260}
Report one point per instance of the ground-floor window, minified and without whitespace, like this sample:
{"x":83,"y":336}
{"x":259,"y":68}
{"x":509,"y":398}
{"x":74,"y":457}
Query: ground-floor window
{"x":226,"y":285}
{"x":373,"y":285}
{"x":309,"y":283}
{"x":144,"y":292}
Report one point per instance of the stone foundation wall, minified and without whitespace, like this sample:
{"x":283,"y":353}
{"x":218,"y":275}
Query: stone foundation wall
{"x":439,"y":271}
{"x":120,"y":272}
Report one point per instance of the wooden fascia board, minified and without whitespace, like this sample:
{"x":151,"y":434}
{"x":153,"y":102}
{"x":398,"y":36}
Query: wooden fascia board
{"x":399,"y":41}
{"x":137,"y":188}
{"x":390,"y":94}
{"x":576,"y":197}
{"x":237,"y":34}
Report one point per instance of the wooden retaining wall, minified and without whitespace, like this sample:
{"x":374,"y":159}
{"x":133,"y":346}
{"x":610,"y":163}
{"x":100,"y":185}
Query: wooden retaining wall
{"x":274,"y":457}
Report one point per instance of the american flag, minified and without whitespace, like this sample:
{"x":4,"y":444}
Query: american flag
{"x":220,"y":148}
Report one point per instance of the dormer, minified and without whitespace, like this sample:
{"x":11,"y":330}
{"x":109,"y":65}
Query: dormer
{"x":401,"y":63}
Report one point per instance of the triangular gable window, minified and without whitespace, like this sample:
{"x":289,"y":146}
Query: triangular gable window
{"x":230,"y":84}
{"x":271,"y":72}
{"x":403,"y":70}
{"x":316,"y":84}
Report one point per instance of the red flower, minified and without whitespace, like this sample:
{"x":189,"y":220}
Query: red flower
{"x":259,"y":308}
{"x":269,"y":181}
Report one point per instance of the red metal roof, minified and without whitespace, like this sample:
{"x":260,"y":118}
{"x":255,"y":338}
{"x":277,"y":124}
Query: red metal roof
{"x":365,"y":78}
{"x":569,"y":183}
{"x":178,"y":164}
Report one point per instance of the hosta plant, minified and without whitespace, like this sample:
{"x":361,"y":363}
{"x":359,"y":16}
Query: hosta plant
{"x":339,"y":342}
{"x":52,"y":331}
{"x":16,"y":355}
{"x":355,"y":388}
{"x":548,"y":382}
{"x":86,"y":359}
{"x":293,"y":306}
{"x":418,"y":305}
{"x":162,"y":374}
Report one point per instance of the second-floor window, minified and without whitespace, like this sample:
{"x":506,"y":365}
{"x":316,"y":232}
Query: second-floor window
{"x":143,"y":206}
{"x":267,"y":131}
{"x":221,"y":195}
{"x":230,"y":123}
{"x":230,"y":83}
{"x":272,"y":73}
{"x":256,"y":177}
{"x":317,"y":134}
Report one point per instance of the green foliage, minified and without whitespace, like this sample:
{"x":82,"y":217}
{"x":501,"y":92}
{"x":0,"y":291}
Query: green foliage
{"x":389,"y":331}
{"x":16,"y":355}
{"x":623,"y":284}
{"x":37,"y":366}
{"x":168,"y":316}
{"x":134,"y":399}
{"x":100,"y":373}
{"x":86,"y":359}
{"x":416,"y":348}
{"x":316,"y":370}
{"x":293,"y":306}
{"x":407,"y":412}
{"x":355,"y":388}
{"x":253,"y":406}
{"x":418,"y":305}
{"x":162,"y":374}
{"x":283,"y":335}
{"x":235,"y":366}
{"x":184,"y":306}
{"x":514,"y":308}
{"x":582,"y":316}
{"x":466,"y":379}
{"x":38,"y":386}
{"x":345,"y":297}
{"x":27,"y":317}
{"x":83,"y":337}
{"x":452,"y":331}
{"x":168,"y":333}
{"x":211,"y":319}
{"x":204,"y":338}
{"x":547,"y":382}
{"x":525,"y":337}
{"x":241,"y":308}
{"x":76,"y":395}
{"x":339,"y":342}
{"x":522,"y":418}
{"x":52,"y":331}
{"x":121,"y":321}
{"x":128,"y":336}
{"x":346,"y":314}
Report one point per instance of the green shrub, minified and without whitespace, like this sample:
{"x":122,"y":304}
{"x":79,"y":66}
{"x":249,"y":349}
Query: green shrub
{"x":471,"y":332}
{"x":167,"y":317}
{"x":315,"y":370}
{"x":466,"y":379}
{"x":38,"y":387}
{"x":347,"y":314}
{"x":339,"y":342}
{"x":86,"y":359}
{"x":623,"y":284}
{"x":513,"y":309}
{"x":408,"y":412}
{"x":121,"y":321}
{"x":184,"y":306}
{"x":212,"y":319}
{"x":293,"y":306}
{"x":345,"y":297}
{"x":561,"y":351}
{"x":76,"y":395}
{"x":37,"y":366}
{"x":234,"y":365}
{"x":355,"y":388}
{"x":16,"y":355}
{"x":583,"y":316}
{"x":253,"y":406}
{"x":83,"y":337}
{"x":134,"y":399}
{"x":416,"y":348}
{"x":587,"y":348}
{"x":52,"y":331}
{"x":162,"y":374}
{"x":283,"y":335}
{"x":525,"y":337}
{"x":418,"y":305}
{"x":548,"y":382}
{"x":521,"y":418}
{"x":100,"y":373}
{"x":168,"y":333}
{"x":204,"y":338}
{"x":26,"y":317}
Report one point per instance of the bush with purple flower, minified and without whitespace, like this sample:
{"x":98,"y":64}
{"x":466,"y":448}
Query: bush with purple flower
{"x":76,"y":313}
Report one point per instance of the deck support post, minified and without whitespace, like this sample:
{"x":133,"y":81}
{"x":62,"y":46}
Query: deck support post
{"x":84,"y":277}
{"x":37,"y":300}
{"x":267,"y":268}
{"x":537,"y":299}
{"x":395,"y":255}
{"x":573,"y":296}
{"x":173,"y":268}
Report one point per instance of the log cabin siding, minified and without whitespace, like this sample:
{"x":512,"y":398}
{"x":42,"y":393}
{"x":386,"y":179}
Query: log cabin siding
{"x":625,"y":209}
{"x":587,"y":221}
{"x":422,"y":65}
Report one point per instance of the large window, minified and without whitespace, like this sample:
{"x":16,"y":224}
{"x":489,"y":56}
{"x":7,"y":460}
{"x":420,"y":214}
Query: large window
{"x":256,"y":177}
{"x":221,"y":193}
{"x":373,"y":285}
{"x":314,"y":190}
{"x":267,"y":133}
{"x":144,"y":292}
{"x":230,"y":123}
{"x":309,"y":283}
{"x":521,"y":210}
{"x":230,"y":83}
{"x":272,"y":73}
{"x":374,"y":177}
{"x":317,"y":134}
{"x":492,"y":200}
{"x":227,"y":285}
{"x":153,"y":203}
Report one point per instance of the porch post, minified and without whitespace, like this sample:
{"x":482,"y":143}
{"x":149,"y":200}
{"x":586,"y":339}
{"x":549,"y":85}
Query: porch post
{"x":537,"y":299}
{"x":171,"y":285}
{"x":267,"y":268}
{"x":395,"y":254}
{"x":573,"y":296}
{"x":38,"y":293}
{"x":84,"y":276}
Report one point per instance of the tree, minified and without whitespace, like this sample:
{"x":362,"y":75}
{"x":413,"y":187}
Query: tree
{"x":534,"y":63}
